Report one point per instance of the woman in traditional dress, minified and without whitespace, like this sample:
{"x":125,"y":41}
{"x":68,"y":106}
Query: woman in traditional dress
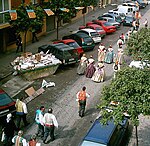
{"x":90,"y":68}
{"x":101,"y":53}
{"x":99,"y":74}
{"x":109,"y":55}
{"x":120,"y":55}
{"x":116,"y":67}
{"x":82,"y":65}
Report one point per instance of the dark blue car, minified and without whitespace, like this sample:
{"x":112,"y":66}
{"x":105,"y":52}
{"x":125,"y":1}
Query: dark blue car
{"x":105,"y":135}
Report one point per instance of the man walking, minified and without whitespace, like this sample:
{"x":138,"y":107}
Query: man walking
{"x":39,"y":121}
{"x":50,"y":123}
{"x":21,"y":112}
{"x":18,"y":140}
{"x":81,"y":98}
{"x":19,"y":43}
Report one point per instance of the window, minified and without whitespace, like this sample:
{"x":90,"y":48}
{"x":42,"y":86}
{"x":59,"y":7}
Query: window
{"x":4,"y":7}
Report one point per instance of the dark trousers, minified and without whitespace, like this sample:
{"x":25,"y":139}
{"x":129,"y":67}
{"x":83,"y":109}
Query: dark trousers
{"x":8,"y":140}
{"x":19,"y":47}
{"x":47,"y":131}
{"x":82,"y":104}
{"x":23,"y":117}
{"x":40,"y":131}
{"x":34,"y":37}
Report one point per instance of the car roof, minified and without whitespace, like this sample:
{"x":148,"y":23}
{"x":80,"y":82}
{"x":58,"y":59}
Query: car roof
{"x":95,"y":25}
{"x":62,"y":46}
{"x":68,"y":40}
{"x":88,"y":30}
{"x":100,"y":133}
{"x":82,"y":34}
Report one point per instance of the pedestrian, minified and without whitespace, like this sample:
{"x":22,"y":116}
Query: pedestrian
{"x":18,"y":140}
{"x":109,"y":57}
{"x":101,"y":53}
{"x":119,"y":43}
{"x":9,"y":130}
{"x":33,"y":141}
{"x":123,"y":38}
{"x":50,"y":123}
{"x":82,"y":65}
{"x":137,"y":23}
{"x":134,"y":25}
{"x":34,"y":34}
{"x":120,"y":55}
{"x":19,"y":43}
{"x":39,"y":121}
{"x":99,"y":74}
{"x":21,"y":112}
{"x":146,"y":23}
{"x":81,"y":98}
{"x":116,"y":67}
{"x":90,"y":68}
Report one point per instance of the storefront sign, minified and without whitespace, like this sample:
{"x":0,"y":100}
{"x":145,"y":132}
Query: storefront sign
{"x":49,"y":12}
{"x":31,"y":13}
{"x":13,"y":14}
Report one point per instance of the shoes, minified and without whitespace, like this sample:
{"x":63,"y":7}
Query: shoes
{"x":44,"y":141}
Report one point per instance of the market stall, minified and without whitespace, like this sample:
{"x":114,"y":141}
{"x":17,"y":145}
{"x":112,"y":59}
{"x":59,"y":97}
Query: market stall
{"x":35,"y":66}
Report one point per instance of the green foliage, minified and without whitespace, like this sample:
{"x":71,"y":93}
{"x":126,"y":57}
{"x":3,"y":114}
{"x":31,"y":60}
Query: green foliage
{"x":131,"y":89}
{"x":139,"y":44}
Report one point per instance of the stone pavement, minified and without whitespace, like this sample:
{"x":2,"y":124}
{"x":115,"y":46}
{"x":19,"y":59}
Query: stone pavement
{"x":5,"y":60}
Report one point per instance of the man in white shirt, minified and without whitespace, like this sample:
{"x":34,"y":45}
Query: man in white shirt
{"x":21,"y":112}
{"x":19,"y":140}
{"x":50,"y":123}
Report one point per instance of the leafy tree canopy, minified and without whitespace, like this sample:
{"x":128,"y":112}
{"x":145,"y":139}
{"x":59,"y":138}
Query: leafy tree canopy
{"x":131,"y":89}
{"x":139,"y":44}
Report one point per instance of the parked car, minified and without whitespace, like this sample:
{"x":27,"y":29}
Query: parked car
{"x":71,"y":43}
{"x":128,"y":21}
{"x":112,"y":22}
{"x":65,"y":53}
{"x":116,"y":17}
{"x":133,"y":5}
{"x":106,"y":26}
{"x":141,"y":3}
{"x":7,"y":104}
{"x":92,"y":33}
{"x":122,"y":15}
{"x":82,"y":39}
{"x":98,"y":28}
{"x":105,"y":135}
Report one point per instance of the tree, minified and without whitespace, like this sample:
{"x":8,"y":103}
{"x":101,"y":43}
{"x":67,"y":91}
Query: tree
{"x":131,"y":90}
{"x":139,"y":44}
{"x":23,"y":23}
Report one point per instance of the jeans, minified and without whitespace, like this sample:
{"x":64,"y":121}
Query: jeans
{"x":48,"y":130}
{"x":23,"y":117}
{"x":82,"y":104}
{"x":40,"y":131}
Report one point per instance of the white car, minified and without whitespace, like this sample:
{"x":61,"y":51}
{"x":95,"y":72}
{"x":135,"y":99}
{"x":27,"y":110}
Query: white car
{"x":139,"y":64}
{"x":92,"y":33}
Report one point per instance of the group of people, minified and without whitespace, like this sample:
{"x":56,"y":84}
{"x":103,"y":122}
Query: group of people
{"x":87,"y":67}
{"x":46,"y":124}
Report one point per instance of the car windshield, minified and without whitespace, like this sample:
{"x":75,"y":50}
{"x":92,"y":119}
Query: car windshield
{"x":90,"y":143}
{"x":88,"y":40}
{"x":111,"y":20}
{"x":73,"y":44}
{"x":4,"y":99}
{"x":107,"y":24}
{"x":98,"y":29}
{"x":94,"y":34}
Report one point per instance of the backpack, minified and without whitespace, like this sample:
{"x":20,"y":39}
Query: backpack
{"x":116,"y":67}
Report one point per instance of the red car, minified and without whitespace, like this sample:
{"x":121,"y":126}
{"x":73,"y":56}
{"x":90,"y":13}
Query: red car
{"x":71,"y":43}
{"x":7,"y":105}
{"x":106,"y":26}
{"x":98,"y":28}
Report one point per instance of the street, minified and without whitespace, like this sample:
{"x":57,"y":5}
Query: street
{"x":62,"y":97}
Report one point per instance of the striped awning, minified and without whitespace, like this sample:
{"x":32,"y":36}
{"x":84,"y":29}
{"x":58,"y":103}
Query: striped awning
{"x":64,"y":9}
{"x":13,"y":14}
{"x":49,"y":12}
{"x":31,"y":14}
